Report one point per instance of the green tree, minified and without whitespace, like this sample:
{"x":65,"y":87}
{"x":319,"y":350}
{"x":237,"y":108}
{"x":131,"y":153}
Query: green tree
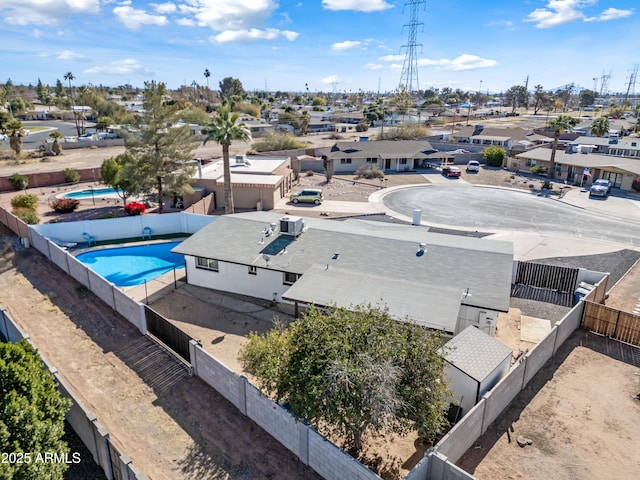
{"x":587,"y":97}
{"x":600,"y":127}
{"x":119,"y":173}
{"x":560,"y":124}
{"x":494,"y":155}
{"x":15,"y":131}
{"x":229,"y":87}
{"x":352,"y":372}
{"x":224,"y":128}
{"x":401,"y":101}
{"x":31,"y":413}
{"x":59,"y":89}
{"x":277,"y":141}
{"x":517,"y":96}
{"x":56,"y":147}
{"x":541,"y":99}
{"x":162,"y":151}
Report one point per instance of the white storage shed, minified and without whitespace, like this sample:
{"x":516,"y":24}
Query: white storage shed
{"x":475,"y":363}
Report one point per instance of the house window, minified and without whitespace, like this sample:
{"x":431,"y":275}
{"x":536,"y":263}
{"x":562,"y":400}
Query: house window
{"x":207,"y":263}
{"x":253,"y":270}
{"x":403,"y":161}
{"x":345,"y":160}
{"x":531,"y":162}
{"x":372,"y":160}
{"x":290,"y":278}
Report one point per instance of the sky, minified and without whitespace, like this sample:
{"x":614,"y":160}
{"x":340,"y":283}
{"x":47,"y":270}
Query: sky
{"x":322,"y":45}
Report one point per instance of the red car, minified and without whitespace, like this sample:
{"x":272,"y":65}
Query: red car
{"x":451,"y":171}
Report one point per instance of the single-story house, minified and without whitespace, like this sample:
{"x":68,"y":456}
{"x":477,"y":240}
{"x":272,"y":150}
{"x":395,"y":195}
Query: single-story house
{"x":258,"y":182}
{"x":475,"y":362}
{"x":387,"y":155}
{"x":443,"y":282}
{"x":619,"y":147}
{"x":570,"y":165}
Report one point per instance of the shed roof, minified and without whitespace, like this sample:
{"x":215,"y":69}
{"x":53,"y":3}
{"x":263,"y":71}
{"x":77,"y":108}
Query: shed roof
{"x":475,"y":353}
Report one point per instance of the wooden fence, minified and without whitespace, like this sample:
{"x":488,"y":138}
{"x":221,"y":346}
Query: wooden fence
{"x":612,"y":323}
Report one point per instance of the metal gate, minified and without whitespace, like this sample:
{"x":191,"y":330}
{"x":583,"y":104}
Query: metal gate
{"x":546,"y":283}
{"x":168,"y":333}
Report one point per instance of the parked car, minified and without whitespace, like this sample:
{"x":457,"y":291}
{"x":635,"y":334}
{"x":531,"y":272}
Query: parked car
{"x":308,"y":195}
{"x":473,"y":166}
{"x":3,"y":137}
{"x":87,"y":136}
{"x":600,"y":188}
{"x":451,"y":171}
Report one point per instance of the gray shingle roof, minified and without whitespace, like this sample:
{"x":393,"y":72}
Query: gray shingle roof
{"x":476,"y":353}
{"x":383,"y":252}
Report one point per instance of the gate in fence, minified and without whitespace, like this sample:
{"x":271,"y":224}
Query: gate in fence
{"x":546,"y":283}
{"x":168,"y":333}
{"x":612,"y":323}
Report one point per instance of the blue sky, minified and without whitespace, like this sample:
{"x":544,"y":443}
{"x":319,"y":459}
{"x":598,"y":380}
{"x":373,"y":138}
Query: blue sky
{"x":327,"y":45}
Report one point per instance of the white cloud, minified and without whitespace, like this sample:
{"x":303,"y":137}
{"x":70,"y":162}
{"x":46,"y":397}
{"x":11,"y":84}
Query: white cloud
{"x":346,"y":45}
{"x":68,"y":55}
{"x":330,"y":79}
{"x":253,"y":35}
{"x":228,"y":15}
{"x":133,"y":18}
{"x":391,"y":58}
{"x":163,"y":8}
{"x":186,"y":22}
{"x":610,"y":14}
{"x":462,"y":62}
{"x":373,"y":66}
{"x":357,"y":5}
{"x":46,"y":12}
{"x":125,"y":67}
{"x":36,"y":33}
{"x":558,"y":12}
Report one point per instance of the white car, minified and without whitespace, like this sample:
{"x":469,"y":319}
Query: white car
{"x":3,"y":137}
{"x":473,"y":166}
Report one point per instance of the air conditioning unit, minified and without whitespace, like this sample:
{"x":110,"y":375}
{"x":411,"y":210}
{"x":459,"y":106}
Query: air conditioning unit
{"x":292,"y":226}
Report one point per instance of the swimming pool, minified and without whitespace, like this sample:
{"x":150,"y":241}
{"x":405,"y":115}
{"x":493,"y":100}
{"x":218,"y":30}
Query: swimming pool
{"x":129,"y":266}
{"x":90,"y":193}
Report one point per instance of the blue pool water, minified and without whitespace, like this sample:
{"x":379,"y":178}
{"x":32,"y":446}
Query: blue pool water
{"x":88,"y":193}
{"x":128,"y":266}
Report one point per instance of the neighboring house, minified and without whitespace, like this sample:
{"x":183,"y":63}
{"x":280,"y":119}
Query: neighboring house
{"x":619,"y":147}
{"x":570,"y":165}
{"x":258,"y":182}
{"x":443,"y":282}
{"x":387,"y":155}
{"x":513,"y":140}
{"x":475,"y":363}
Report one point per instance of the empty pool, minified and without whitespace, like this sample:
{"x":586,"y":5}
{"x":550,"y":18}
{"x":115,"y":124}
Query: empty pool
{"x":128,"y":266}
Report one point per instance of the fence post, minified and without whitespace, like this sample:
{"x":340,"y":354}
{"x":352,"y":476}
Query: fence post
{"x":615,"y":329}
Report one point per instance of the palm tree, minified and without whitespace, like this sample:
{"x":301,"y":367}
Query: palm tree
{"x":70,"y":76}
{"x":56,"y":148}
{"x":600,"y":127}
{"x":15,"y":130}
{"x":560,"y":124}
{"x":224,"y":128}
{"x":207,"y":74}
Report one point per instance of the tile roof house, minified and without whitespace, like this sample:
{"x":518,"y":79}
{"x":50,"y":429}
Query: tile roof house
{"x":444,"y":282}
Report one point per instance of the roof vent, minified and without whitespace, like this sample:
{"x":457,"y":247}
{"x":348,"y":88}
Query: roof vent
{"x":292,"y":226}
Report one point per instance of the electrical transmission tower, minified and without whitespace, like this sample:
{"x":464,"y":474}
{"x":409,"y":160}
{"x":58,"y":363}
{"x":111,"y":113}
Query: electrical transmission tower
{"x":631,"y":86}
{"x":409,"y":77}
{"x":604,"y":84}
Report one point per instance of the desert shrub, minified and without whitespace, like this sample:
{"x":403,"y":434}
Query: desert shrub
{"x":494,"y":155}
{"x":64,"y":205}
{"x":365,"y":171}
{"x":309,"y":173}
{"x":362,"y":127}
{"x":538,"y":170}
{"x":636,"y":184}
{"x":107,"y":215}
{"x":546,"y":185}
{"x":277,"y":141}
{"x":18,"y":181}
{"x":404,"y":131}
{"x":27,"y":216}
{"x":135,"y":208}
{"x":27,"y":201}
{"x":71,"y":175}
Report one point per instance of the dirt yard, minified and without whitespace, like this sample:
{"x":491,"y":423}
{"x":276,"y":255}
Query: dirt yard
{"x":579,"y":413}
{"x":172,"y":426}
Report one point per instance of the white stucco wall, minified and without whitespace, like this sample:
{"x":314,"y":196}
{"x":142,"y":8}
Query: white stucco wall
{"x":495,"y":376}
{"x":484,"y":319}
{"x":235,"y":278}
